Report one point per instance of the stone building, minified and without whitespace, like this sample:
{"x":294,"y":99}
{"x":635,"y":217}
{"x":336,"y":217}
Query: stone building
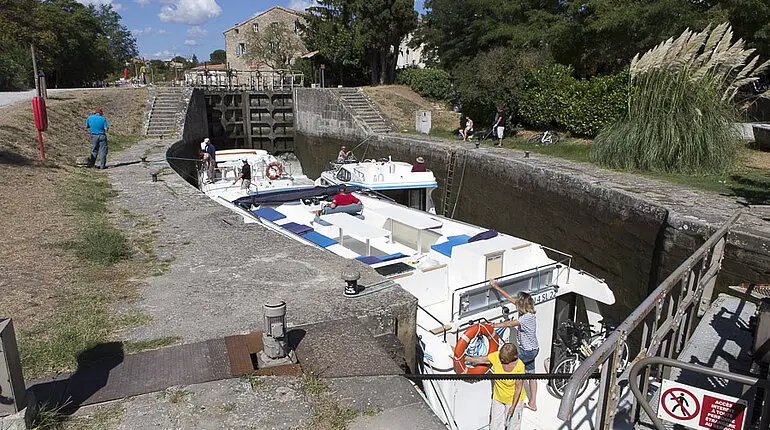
{"x":236,"y":38}
{"x":409,"y":56}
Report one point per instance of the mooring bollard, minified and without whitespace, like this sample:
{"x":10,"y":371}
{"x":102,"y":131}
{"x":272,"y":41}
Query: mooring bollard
{"x":154,"y":176}
{"x":351,"y":276}
{"x":144,"y":159}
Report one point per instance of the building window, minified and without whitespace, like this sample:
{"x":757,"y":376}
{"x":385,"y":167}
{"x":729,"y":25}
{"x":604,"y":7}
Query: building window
{"x":236,"y":31}
{"x":240,"y":49}
{"x":296,"y":26}
{"x":256,"y":27}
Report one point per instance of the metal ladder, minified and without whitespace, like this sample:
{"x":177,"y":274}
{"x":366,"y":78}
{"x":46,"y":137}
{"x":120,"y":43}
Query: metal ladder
{"x":450,"y":169}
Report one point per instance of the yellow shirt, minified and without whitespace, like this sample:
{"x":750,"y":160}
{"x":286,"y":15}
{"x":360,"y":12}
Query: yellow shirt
{"x":505,"y":388}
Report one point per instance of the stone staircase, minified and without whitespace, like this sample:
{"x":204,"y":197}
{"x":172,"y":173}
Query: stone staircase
{"x":167,"y":110}
{"x":362,"y":107}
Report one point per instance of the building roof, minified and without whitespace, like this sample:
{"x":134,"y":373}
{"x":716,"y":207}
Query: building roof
{"x":212,"y":67}
{"x":281,"y":8}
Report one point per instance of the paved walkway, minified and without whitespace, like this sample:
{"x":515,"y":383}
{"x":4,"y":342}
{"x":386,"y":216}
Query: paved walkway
{"x":7,"y":98}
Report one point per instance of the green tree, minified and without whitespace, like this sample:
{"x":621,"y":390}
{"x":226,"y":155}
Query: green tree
{"x":194,"y":61}
{"x":275,"y":45}
{"x":382,"y":26}
{"x":218,"y":56}
{"x":330,"y":31}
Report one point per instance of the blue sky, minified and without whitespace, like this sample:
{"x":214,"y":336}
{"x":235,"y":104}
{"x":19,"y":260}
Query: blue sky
{"x":165,"y":28}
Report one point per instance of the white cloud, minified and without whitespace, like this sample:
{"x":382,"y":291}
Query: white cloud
{"x":139,"y":32}
{"x":301,"y":5}
{"x":190,"y":42}
{"x":142,"y":3}
{"x":196,"y":31}
{"x":161,"y":55}
{"x":161,"y":31}
{"x":190,"y":12}
{"x":115,"y":6}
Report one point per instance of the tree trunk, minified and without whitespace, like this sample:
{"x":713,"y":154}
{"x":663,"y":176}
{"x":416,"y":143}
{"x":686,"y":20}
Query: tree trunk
{"x":374,"y":62}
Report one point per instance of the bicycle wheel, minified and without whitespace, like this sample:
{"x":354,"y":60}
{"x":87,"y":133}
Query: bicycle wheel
{"x":566,"y":365}
{"x":536,"y":138}
{"x":555,"y":138}
{"x":622,"y":357}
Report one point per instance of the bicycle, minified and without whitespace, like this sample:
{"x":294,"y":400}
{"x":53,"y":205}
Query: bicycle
{"x":578,"y":342}
{"x":545,"y":138}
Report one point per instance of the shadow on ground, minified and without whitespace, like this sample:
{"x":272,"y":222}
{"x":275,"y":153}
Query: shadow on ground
{"x":8,"y":157}
{"x":65,"y":396}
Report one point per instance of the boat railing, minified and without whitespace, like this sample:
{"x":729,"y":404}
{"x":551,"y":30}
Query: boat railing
{"x":502,"y":280}
{"x":565,"y":258}
{"x":667,"y":318}
{"x":443,"y":326}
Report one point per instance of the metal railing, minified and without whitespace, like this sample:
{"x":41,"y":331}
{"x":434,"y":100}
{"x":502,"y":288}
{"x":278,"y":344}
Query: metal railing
{"x":641,"y":398}
{"x":668,"y":318}
{"x":237,"y":80}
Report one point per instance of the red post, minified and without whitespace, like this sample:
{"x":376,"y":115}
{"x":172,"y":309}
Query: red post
{"x":40,"y":139}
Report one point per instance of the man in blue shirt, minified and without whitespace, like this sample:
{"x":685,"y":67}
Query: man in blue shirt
{"x":98,"y":126}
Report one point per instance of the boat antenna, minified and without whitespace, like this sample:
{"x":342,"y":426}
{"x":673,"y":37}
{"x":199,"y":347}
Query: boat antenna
{"x":362,"y":142}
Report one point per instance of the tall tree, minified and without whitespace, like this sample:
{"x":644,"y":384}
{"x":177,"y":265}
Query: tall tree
{"x":383,"y":25}
{"x":218,"y":56}
{"x":330,"y":30}
{"x":194,"y":61}
{"x":275,"y":45}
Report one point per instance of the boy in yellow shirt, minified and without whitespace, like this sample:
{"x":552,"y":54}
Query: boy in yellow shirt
{"x":507,"y":394}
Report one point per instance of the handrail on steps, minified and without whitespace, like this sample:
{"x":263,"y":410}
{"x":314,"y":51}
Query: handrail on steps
{"x":671,"y":327}
{"x":633,"y":377}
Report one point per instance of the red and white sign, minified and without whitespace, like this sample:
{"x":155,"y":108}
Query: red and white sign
{"x":700,"y":409}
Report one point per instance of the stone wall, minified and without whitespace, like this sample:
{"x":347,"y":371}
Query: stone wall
{"x":629,"y":230}
{"x":194,"y":130}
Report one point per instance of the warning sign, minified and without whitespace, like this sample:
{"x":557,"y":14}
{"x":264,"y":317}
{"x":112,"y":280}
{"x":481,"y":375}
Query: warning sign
{"x":700,"y":409}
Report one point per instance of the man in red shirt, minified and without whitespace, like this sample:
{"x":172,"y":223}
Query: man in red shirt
{"x":343,"y":202}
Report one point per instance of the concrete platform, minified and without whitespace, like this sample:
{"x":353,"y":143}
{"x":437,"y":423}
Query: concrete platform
{"x":221,"y":271}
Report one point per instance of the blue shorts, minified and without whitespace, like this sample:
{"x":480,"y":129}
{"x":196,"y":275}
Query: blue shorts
{"x":527,"y":356}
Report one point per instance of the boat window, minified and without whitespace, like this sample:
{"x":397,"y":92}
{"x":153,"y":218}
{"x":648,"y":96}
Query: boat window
{"x":343,"y":175}
{"x":494,"y":266}
{"x":417,"y":199}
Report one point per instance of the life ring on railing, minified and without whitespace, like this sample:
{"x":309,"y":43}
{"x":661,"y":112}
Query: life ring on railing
{"x":274,"y":170}
{"x":485,"y":330}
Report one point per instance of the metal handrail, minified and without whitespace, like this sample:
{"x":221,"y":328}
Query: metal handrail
{"x":609,"y":348}
{"x":640,"y":398}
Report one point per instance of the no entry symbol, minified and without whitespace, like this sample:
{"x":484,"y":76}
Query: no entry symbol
{"x":680,"y":404}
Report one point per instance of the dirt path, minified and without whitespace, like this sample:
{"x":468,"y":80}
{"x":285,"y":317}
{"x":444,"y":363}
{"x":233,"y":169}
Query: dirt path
{"x":37,"y":271}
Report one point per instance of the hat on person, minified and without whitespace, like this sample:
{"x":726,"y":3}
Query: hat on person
{"x":245,"y":161}
{"x":420,"y":160}
{"x":98,"y":111}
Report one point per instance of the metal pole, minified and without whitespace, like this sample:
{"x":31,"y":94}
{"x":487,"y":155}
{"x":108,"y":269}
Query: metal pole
{"x":34,"y":68}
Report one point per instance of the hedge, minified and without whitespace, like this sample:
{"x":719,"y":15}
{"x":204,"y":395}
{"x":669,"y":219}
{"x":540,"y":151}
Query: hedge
{"x":553,"y":98}
{"x":430,"y":83}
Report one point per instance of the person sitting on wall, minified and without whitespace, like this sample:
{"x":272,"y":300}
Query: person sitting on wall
{"x":343,"y":202}
{"x":468,"y":130}
{"x":419,"y":166}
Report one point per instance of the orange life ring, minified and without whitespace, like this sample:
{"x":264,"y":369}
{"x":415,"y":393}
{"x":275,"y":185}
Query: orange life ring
{"x":274,"y":170}
{"x":485,"y":330}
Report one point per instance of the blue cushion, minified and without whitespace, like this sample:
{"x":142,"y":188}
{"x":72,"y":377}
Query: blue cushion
{"x":268,"y":213}
{"x":368,"y":259}
{"x":297,"y":228}
{"x":452,"y":241}
{"x":319,"y":239}
{"x":391,"y":256}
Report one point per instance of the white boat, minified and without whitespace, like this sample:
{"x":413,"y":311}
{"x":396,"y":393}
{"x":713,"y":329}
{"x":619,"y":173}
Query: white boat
{"x":446,"y":265}
{"x":393,"y":179}
{"x":268,"y":173}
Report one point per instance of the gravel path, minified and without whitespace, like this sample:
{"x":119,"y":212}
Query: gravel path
{"x":16,"y":96}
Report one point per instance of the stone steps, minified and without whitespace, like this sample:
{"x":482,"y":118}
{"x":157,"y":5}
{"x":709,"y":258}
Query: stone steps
{"x":362,"y":108}
{"x":167,"y":105}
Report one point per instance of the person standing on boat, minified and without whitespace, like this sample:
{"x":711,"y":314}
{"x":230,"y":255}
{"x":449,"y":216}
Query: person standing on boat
{"x":526,"y":339}
{"x":342,"y":156}
{"x":209,"y":158}
{"x":419,"y":166}
{"x":245,"y":175}
{"x":98,"y":126}
{"x":507,"y":394}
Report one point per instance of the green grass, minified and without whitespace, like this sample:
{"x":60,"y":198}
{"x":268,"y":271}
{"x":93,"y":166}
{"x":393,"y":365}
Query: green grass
{"x":100,"y":418}
{"x":327,"y":412}
{"x":119,"y":142}
{"x":132,"y":347}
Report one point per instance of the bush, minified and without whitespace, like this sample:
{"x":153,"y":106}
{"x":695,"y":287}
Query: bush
{"x":588,"y":106}
{"x":542,"y":89}
{"x":430,"y":83}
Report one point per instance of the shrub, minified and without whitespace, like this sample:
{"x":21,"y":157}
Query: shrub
{"x":587,"y":106}
{"x":541,"y":90}
{"x":430,"y":83}
{"x":682,"y":113}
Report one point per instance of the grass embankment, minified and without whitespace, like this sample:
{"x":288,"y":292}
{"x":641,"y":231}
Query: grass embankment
{"x":68,"y":270}
{"x":749,"y":179}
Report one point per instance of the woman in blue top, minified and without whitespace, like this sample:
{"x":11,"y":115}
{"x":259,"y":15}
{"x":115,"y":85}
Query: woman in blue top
{"x":526,"y":339}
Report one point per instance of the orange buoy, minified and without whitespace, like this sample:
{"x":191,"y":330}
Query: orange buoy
{"x":471,"y":333}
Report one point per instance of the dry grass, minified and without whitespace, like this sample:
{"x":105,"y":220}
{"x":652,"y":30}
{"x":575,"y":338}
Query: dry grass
{"x":61,"y":301}
{"x":399,"y":104}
